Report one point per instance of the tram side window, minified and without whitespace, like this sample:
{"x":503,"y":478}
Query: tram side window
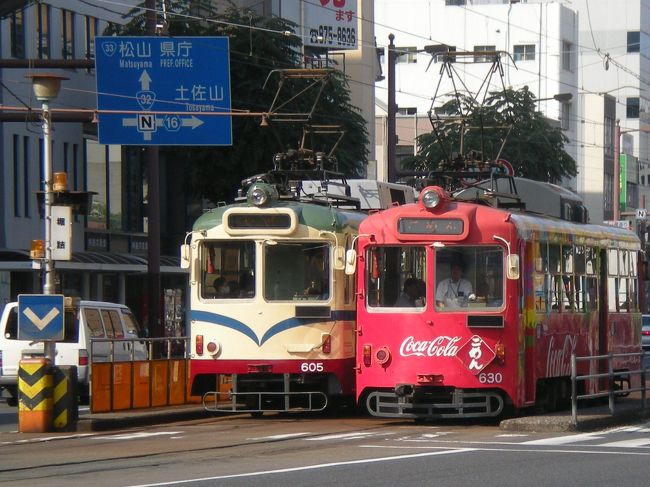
{"x":396,"y":277}
{"x":297,"y":271}
{"x":227,"y":269}
{"x":556,"y":278}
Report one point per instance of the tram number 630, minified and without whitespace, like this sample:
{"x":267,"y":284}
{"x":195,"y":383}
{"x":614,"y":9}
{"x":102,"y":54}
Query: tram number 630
{"x":490,"y":378}
{"x":311,"y":367}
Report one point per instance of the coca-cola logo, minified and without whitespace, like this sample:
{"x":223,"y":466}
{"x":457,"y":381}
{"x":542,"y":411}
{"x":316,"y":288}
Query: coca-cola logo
{"x":442,"y":346}
{"x":559,"y":359}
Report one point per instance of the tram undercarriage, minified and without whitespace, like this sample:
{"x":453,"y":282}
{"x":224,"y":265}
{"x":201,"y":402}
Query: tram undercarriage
{"x":406,"y":401}
{"x":259,"y":393}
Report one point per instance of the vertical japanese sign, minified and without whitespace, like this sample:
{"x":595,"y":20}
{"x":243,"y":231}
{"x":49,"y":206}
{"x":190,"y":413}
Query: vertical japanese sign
{"x":163,"y":90}
{"x":331,"y":24}
{"x":61,"y":232}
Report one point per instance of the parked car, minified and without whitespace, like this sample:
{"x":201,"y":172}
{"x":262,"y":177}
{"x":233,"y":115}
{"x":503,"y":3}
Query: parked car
{"x":645,"y":332}
{"x":83,"y":321}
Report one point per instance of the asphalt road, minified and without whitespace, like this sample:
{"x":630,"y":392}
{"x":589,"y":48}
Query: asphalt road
{"x":308,"y":450}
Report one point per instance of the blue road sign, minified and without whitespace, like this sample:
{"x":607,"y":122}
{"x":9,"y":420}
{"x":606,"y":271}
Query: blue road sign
{"x":41,"y":317}
{"x":163,"y":90}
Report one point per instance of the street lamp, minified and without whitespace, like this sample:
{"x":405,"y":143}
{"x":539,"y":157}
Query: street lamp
{"x":46,"y":88}
{"x":561,"y":97}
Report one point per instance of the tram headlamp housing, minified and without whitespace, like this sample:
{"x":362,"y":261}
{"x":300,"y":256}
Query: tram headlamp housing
{"x":260,"y":194}
{"x":432,"y":197}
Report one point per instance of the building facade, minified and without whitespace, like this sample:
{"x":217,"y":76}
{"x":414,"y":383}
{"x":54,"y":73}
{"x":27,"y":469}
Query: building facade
{"x":109,"y":244}
{"x":582,"y":47}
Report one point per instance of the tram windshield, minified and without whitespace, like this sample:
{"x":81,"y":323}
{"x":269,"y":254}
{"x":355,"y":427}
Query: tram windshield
{"x":296,"y":271}
{"x":227,"y":269}
{"x":469,"y":277}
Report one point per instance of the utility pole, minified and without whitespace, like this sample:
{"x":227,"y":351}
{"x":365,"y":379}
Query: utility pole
{"x":616,"y":191}
{"x":153,"y":212}
{"x":392,"y":108}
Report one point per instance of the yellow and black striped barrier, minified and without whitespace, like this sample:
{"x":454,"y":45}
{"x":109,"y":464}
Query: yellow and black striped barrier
{"x":34,"y":395}
{"x":64,"y":410}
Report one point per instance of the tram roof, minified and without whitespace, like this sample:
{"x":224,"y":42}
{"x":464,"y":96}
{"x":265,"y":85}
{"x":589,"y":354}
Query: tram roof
{"x":561,"y":231}
{"x":316,"y":216}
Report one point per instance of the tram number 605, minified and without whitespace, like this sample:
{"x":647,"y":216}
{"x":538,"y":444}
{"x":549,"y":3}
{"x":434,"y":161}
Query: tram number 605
{"x":490,"y":378}
{"x":311,"y":367}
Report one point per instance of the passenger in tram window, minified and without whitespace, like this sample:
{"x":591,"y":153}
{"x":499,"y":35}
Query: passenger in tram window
{"x":454,"y":291}
{"x":414,"y":290}
{"x":221,"y":287}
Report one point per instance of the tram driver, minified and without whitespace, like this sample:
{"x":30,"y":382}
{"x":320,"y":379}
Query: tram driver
{"x":455,"y":291}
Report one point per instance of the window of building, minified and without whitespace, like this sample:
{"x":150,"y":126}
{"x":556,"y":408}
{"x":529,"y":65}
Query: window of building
{"x":632,"y":110}
{"x":566,"y":116}
{"x":524,"y":52}
{"x":567,"y":57}
{"x":17,"y":32}
{"x":484,"y":58}
{"x":67,"y":34}
{"x":608,"y":142}
{"x":104,"y":171}
{"x":407,"y":110}
{"x":633,"y":41}
{"x":92,"y":26}
{"x":43,"y":25}
{"x":406,"y":54}
{"x":27,"y":194}
{"x":16,"y":164}
{"x":455,"y":2}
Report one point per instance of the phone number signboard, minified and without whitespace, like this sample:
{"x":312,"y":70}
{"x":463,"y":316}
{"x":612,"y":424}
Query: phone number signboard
{"x":331,"y":24}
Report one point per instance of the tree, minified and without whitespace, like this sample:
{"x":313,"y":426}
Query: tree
{"x":258,"y":45}
{"x":533,"y":146}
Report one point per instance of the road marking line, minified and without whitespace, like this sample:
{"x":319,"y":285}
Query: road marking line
{"x":634,"y":443}
{"x":309,"y":467}
{"x":280,"y":437}
{"x":135,"y":436}
{"x":349,"y":436}
{"x":563,"y":440}
{"x":518,"y":450}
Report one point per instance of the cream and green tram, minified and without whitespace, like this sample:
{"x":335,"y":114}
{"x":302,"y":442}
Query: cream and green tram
{"x":272,"y":312}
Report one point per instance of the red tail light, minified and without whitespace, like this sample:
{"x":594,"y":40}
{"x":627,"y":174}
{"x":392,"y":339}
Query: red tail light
{"x":382,"y":355}
{"x":326,"y":347}
{"x":198,"y":344}
{"x":367,"y":355}
{"x":83,"y":357}
{"x":500,"y":351}
{"x":645,"y":333}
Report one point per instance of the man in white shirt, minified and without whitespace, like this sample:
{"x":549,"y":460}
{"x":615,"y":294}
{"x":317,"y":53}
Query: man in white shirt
{"x":454,"y":291}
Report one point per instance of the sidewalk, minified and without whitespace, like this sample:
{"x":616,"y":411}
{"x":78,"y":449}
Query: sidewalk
{"x":627,"y":410}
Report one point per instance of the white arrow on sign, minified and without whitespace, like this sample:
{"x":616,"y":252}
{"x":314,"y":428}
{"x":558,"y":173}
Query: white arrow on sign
{"x":144,"y":80}
{"x":41,"y":323}
{"x":192,"y":122}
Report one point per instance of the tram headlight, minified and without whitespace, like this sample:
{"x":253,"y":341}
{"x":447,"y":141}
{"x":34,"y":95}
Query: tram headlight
{"x":213,"y":348}
{"x":431,"y":197}
{"x":259,"y":194}
{"x":382,"y":355}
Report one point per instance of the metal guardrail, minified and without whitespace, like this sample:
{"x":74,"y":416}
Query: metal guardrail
{"x":167,"y":351}
{"x":611,"y":376}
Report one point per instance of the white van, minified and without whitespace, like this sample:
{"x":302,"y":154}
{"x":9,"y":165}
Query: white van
{"x":83,"y":321}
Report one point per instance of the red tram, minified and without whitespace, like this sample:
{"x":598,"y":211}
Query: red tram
{"x":465,"y":309}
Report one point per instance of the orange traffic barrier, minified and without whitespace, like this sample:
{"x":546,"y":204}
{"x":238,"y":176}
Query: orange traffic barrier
{"x":177,"y":382}
{"x":159,"y":382}
{"x":34,"y":395}
{"x":100,"y":393}
{"x":122,"y":377}
{"x":141,"y":385}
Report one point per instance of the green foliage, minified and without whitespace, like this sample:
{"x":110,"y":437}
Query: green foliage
{"x":258,"y":46}
{"x":534,"y":147}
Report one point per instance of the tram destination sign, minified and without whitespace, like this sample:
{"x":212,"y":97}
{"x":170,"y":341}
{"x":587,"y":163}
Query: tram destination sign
{"x":430,"y":226}
{"x":163,"y":90}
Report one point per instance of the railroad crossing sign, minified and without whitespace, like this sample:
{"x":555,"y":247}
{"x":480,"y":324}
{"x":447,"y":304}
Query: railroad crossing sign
{"x":41,"y":317}
{"x":163,"y":90}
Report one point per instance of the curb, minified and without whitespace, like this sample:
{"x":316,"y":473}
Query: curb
{"x":127,"y":419}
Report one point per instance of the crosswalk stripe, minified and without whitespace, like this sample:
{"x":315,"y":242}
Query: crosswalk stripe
{"x":563,"y":440}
